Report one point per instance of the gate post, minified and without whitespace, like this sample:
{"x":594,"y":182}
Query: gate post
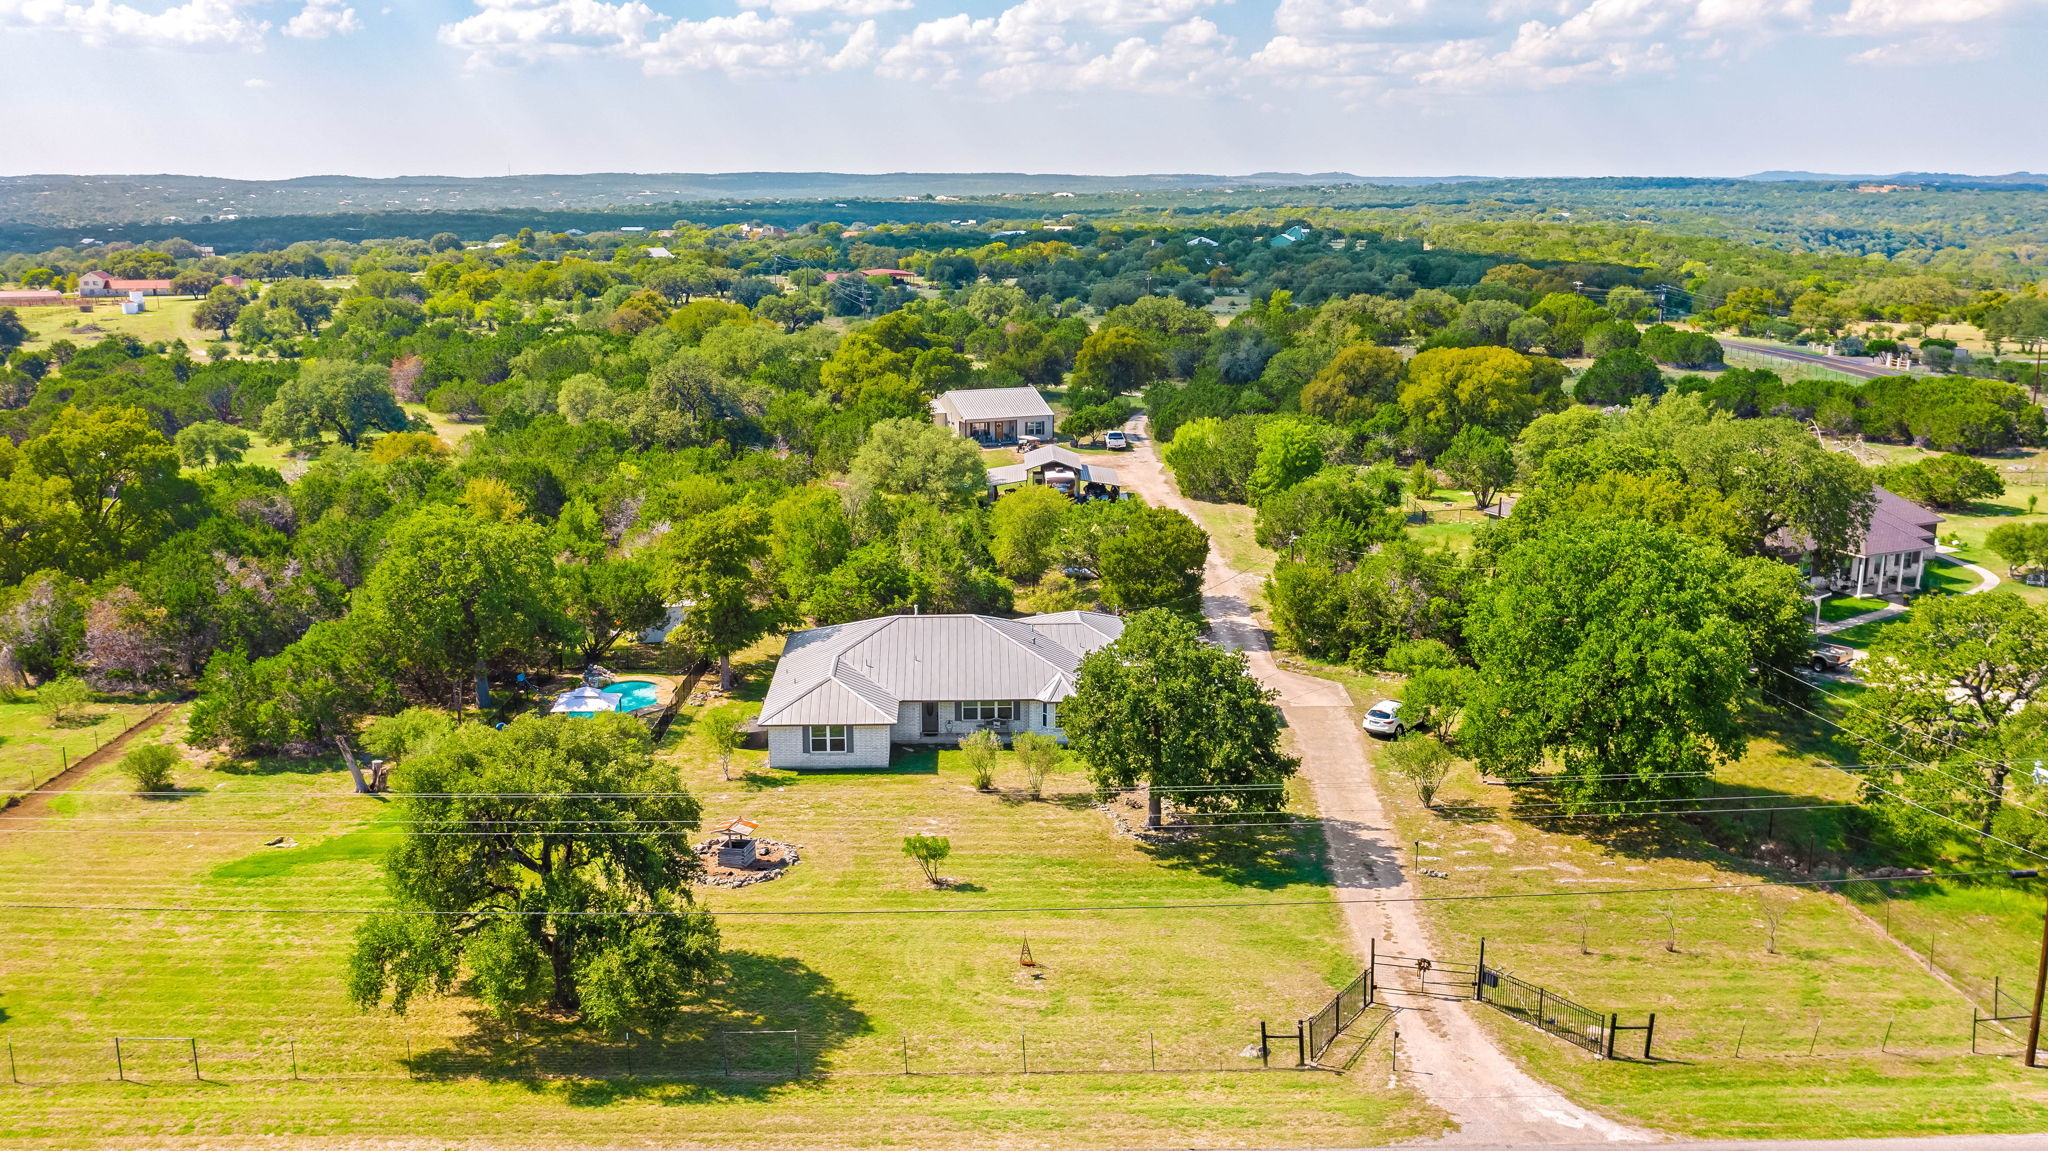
{"x":1649,"y":1033}
{"x":1479,"y":975}
{"x":1539,"y":1008}
{"x":1612,"y":1021}
{"x":1301,"y":1043}
{"x":1264,"y":1061}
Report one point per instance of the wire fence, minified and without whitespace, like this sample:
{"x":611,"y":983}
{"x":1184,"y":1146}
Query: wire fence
{"x":738,"y":1051}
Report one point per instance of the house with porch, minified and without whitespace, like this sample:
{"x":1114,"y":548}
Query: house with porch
{"x":846,"y":696}
{"x":1068,"y":472}
{"x":994,"y":416}
{"x":1891,"y":556}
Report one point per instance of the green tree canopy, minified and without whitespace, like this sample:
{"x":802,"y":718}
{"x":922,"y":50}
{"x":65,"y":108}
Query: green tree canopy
{"x":455,"y":592}
{"x":1024,"y":527}
{"x":540,"y":911}
{"x":1479,"y":461}
{"x":916,"y":457}
{"x":1953,"y":701}
{"x":330,"y":395}
{"x":1354,"y":385}
{"x":1161,"y":708}
{"x":714,"y":564}
{"x":1448,"y":388}
{"x":1156,"y":563}
{"x":1617,"y":654}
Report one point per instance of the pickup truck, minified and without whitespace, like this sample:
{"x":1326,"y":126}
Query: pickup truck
{"x":1831,"y":657}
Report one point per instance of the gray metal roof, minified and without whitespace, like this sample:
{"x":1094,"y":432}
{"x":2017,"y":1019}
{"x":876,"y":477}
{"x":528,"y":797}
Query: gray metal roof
{"x":994,"y":404}
{"x":1898,"y":524}
{"x":1054,"y":456}
{"x":860,"y":673}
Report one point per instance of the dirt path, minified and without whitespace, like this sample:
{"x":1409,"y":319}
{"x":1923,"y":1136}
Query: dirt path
{"x":1443,"y":1049}
{"x":38,"y":804}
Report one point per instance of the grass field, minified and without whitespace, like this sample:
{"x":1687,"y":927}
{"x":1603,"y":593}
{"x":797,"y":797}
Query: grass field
{"x":944,"y":991}
{"x":167,"y":318}
{"x":1834,"y":963}
{"x":1844,"y":607}
{"x":33,"y":749}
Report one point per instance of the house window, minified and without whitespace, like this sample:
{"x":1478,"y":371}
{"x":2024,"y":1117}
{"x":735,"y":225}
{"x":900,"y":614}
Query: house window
{"x":986,"y":710}
{"x":1045,"y":715}
{"x":1034,"y":428}
{"x":827,"y":737}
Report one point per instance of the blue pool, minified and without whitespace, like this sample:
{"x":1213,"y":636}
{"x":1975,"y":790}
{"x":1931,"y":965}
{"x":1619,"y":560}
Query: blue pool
{"x":634,"y":694}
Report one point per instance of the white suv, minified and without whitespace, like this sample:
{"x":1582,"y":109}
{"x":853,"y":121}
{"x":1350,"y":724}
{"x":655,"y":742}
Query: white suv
{"x":1384,"y":718}
{"x":1116,"y":441}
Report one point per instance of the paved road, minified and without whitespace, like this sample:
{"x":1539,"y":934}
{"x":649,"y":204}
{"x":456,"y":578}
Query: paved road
{"x":1922,"y":1143}
{"x":1444,"y":1052}
{"x":1847,"y":367}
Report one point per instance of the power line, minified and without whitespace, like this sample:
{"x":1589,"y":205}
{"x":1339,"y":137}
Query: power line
{"x":872,"y":912}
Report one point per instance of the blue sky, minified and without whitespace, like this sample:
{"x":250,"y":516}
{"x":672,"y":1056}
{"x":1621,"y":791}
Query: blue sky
{"x":272,"y":88}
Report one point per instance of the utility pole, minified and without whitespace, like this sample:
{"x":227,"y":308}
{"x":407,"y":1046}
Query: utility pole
{"x":2040,"y":975}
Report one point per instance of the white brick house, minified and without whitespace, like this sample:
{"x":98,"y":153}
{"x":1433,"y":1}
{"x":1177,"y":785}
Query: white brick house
{"x":845,"y":696}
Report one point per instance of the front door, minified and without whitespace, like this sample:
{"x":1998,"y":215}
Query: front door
{"x":931,"y":718}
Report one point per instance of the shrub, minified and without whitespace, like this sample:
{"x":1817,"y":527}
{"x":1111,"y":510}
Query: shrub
{"x":981,"y":748}
{"x":63,"y":699}
{"x":1423,"y":761}
{"x":1038,"y":753}
{"x":150,"y":766}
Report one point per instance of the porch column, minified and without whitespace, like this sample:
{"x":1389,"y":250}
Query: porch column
{"x":1861,"y":563}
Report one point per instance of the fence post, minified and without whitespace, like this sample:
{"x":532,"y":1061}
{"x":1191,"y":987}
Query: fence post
{"x":194,"y":1041}
{"x":1539,"y":1009}
{"x":295,"y":1056}
{"x":1301,"y":1043}
{"x":1479,"y":976}
{"x":906,"y":1052}
{"x":1815,"y":1041}
{"x":1612,"y":1020}
{"x":797,"y":1036}
{"x":1265,"y":1061}
{"x":1023,"y":1052}
{"x":1895,"y":1018}
{"x":1973,"y":1029}
{"x":121,"y":1071}
{"x":1152,"y":1040}
{"x":12,"y":1074}
{"x":1740,"y":1032}
{"x":408,"y":1055}
{"x":1649,"y":1034}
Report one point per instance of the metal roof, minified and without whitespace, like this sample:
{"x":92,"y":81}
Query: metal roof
{"x":994,"y":403}
{"x":861,"y":673}
{"x":1040,"y":458}
{"x":1897,"y":524}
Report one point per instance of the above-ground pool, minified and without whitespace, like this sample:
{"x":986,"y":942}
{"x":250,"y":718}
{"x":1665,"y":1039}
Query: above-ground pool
{"x":634,"y":694}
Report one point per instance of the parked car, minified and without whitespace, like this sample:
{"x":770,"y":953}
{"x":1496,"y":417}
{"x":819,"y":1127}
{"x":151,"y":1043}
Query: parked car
{"x":1832,"y":657}
{"x":1384,"y":718}
{"x":1116,"y":441}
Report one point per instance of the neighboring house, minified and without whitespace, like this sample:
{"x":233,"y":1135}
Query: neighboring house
{"x":1895,"y":549}
{"x":992,"y":416}
{"x":843,"y":696}
{"x":1501,"y":508}
{"x":1056,"y":467}
{"x":97,"y":283}
{"x":1294,"y":235}
{"x":1889,"y":557}
{"x":659,"y":632}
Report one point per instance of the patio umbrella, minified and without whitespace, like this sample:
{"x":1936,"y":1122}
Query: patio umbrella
{"x":585,"y":699}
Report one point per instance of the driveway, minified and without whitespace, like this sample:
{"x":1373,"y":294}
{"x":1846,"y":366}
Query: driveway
{"x":1444,"y":1052}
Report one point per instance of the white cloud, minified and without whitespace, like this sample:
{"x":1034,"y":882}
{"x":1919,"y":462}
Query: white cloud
{"x":505,"y":31}
{"x":1874,"y":17}
{"x":195,"y":24}
{"x":833,"y":7}
{"x":320,"y":19}
{"x":255,"y":82}
{"x":744,"y":45}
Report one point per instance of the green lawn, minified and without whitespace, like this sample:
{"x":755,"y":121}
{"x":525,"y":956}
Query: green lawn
{"x":34,"y":750}
{"x":1848,"y":607}
{"x":167,"y":318}
{"x":1724,"y":984}
{"x":947,"y":990}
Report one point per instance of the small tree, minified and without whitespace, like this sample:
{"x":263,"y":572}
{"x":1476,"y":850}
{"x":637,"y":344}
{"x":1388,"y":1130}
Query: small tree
{"x":1773,"y":912}
{"x":63,"y":699}
{"x":929,"y":851}
{"x":981,"y":748}
{"x":1669,"y":911}
{"x":721,"y":727}
{"x":150,"y":766}
{"x":1423,"y":761}
{"x":1039,"y":753}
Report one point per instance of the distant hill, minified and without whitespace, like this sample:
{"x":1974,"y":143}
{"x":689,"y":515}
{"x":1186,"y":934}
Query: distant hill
{"x":2008,"y":180}
{"x":76,"y":201}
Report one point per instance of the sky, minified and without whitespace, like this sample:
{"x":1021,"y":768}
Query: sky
{"x":274,"y":88}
